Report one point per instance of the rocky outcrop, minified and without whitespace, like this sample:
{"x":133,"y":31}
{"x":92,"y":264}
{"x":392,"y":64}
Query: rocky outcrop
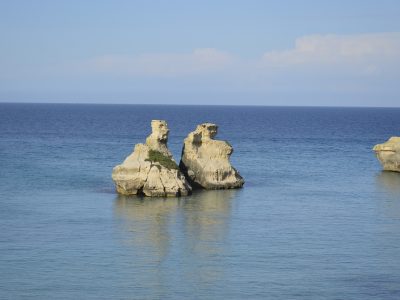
{"x":151,"y":170}
{"x":205,"y":161}
{"x":388,"y":154}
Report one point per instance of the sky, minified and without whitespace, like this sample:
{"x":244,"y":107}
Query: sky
{"x":288,"y":52}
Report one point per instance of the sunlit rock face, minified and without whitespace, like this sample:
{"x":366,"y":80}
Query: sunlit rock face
{"x":205,"y":161}
{"x":151,"y":170}
{"x":388,"y":154}
{"x":158,"y":138}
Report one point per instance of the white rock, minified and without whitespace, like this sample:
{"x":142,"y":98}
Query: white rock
{"x":138,"y":175}
{"x":205,"y":161}
{"x":388,"y":154}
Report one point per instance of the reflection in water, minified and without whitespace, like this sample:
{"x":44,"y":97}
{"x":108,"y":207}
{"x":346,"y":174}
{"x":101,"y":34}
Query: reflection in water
{"x":206,"y":219}
{"x":189,"y":231}
{"x":147,"y":221}
{"x":389,"y":183}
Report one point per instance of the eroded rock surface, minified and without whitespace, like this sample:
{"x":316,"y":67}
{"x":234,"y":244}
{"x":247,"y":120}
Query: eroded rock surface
{"x":151,"y":170}
{"x":388,"y":154}
{"x":205,"y":161}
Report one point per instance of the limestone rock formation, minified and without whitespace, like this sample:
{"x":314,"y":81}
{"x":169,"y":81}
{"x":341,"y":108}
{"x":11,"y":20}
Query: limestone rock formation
{"x":205,"y":161}
{"x":388,"y":154}
{"x":151,"y":169}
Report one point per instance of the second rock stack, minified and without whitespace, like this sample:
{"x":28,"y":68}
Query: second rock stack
{"x":205,"y":161}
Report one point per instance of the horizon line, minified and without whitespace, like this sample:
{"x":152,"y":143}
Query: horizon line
{"x":177,"y":104}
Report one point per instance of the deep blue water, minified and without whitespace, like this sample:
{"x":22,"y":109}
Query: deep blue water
{"x":316,"y":219}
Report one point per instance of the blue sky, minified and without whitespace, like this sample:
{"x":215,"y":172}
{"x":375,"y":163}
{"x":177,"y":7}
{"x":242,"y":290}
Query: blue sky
{"x":344,"y":53}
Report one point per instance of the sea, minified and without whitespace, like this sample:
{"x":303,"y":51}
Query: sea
{"x":317,"y":217}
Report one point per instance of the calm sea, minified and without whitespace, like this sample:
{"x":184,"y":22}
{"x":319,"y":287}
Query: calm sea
{"x":316,"y":219}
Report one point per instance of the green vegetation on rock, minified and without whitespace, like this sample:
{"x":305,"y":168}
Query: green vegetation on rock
{"x":165,"y":161}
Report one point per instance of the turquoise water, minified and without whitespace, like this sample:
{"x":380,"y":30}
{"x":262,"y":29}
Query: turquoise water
{"x":316,"y":219}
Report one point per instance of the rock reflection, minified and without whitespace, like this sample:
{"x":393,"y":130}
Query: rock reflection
{"x":206,"y":219}
{"x":188,"y":231}
{"x":147,"y":222}
{"x":389,"y":183}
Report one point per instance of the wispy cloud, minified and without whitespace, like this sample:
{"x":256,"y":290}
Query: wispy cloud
{"x":370,"y":52}
{"x":366,"y":54}
{"x":364,"y":64}
{"x":202,"y":60}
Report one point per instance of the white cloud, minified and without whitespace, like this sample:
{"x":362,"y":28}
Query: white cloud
{"x":363,"y":65}
{"x":324,"y":63}
{"x":203,"y":60}
{"x":365,"y":54}
{"x":369,"y":51}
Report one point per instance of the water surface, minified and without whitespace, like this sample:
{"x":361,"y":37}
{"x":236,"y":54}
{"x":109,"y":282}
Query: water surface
{"x":316,"y":219}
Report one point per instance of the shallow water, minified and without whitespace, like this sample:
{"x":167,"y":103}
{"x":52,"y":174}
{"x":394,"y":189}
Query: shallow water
{"x":317,"y":218}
